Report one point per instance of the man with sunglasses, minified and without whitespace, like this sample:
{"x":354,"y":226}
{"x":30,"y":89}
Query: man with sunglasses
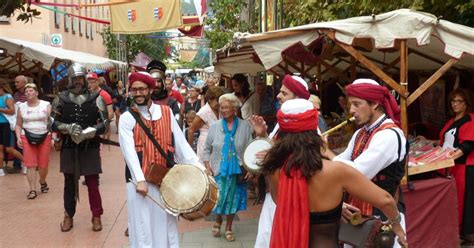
{"x":149,"y":225}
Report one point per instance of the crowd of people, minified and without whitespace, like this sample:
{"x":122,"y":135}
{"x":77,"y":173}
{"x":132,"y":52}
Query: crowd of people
{"x":309,"y":193}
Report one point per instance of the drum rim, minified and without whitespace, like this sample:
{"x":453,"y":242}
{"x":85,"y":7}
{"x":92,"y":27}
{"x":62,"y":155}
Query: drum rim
{"x":252,"y":170}
{"x":198,"y":205}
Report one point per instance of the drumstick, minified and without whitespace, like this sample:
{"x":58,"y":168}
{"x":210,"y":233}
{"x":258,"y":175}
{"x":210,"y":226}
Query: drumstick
{"x":332,"y":130}
{"x":151,"y":198}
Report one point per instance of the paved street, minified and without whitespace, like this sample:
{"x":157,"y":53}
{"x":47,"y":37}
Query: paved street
{"x":35,"y":223}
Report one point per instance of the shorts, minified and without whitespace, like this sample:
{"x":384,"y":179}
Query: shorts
{"x":5,"y":134}
{"x":36,"y":155}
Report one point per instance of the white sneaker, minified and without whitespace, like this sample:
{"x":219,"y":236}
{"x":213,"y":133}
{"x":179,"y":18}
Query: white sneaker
{"x":24,"y":169}
{"x":2,"y":173}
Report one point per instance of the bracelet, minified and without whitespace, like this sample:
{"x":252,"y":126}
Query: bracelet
{"x":397,"y":219}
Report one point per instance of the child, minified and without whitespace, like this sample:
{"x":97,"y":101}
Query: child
{"x":190,"y":115}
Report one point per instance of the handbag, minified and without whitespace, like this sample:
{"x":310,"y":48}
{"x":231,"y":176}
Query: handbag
{"x":371,"y":233}
{"x":155,"y":173}
{"x":35,"y":139}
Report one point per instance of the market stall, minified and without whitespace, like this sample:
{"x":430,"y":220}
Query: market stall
{"x":388,"y":46}
{"x":36,"y":60}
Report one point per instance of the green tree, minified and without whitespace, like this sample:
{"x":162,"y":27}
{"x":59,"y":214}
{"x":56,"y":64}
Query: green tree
{"x":300,"y":12}
{"x":8,"y":8}
{"x":155,"y":48}
{"x":224,"y":21}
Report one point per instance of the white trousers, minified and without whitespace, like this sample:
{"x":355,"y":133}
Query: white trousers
{"x":396,"y":244}
{"x":265,"y":222}
{"x":148,"y":224}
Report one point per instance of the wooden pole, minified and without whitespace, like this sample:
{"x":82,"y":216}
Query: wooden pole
{"x":370,"y":65}
{"x":430,"y":81}
{"x":404,"y":84}
{"x":353,"y":69}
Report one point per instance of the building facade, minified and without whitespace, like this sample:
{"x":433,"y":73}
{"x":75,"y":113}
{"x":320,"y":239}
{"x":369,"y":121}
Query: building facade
{"x":77,"y":34}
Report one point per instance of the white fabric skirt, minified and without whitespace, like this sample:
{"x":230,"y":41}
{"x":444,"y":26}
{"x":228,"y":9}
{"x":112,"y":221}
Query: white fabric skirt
{"x":265,"y":223}
{"x":148,"y":224}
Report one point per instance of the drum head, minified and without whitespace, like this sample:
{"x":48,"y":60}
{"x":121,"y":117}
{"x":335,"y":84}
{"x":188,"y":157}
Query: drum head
{"x":251,"y":163}
{"x":184,"y":188}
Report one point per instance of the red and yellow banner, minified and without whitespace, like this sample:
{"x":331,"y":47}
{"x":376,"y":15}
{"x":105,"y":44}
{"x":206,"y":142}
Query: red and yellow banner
{"x":145,"y":16}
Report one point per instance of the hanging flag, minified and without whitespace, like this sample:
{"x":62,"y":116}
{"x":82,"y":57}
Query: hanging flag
{"x":145,"y":16}
{"x":201,"y":9}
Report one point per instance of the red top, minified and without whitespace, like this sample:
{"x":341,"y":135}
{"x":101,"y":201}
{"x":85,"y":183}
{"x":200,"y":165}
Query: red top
{"x":106,"y":96}
{"x":176,"y":95}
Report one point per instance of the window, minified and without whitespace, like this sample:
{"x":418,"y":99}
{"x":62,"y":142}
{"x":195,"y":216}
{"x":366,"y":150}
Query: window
{"x":57,"y":17}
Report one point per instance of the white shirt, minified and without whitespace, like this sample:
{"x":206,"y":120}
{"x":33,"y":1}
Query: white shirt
{"x":250,"y":107}
{"x":183,"y":151}
{"x":35,"y":119}
{"x":381,"y":152}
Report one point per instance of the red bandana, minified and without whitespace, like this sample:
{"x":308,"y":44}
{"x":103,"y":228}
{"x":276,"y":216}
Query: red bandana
{"x":296,"y":87}
{"x":378,"y":94}
{"x":142,"y":77}
{"x":294,"y":123}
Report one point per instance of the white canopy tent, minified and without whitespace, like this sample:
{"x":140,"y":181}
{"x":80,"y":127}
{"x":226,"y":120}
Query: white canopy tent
{"x":430,"y":42}
{"x":386,"y":45}
{"x":25,"y":54}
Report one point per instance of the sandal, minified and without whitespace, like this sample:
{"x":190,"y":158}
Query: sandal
{"x":44,"y":187}
{"x":229,"y":236}
{"x":216,"y":230}
{"x":32,"y":195}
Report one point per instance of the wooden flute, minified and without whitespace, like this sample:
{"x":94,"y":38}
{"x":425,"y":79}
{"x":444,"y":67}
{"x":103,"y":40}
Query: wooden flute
{"x":332,"y":130}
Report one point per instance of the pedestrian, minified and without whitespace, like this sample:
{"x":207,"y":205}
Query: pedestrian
{"x":308,"y":190}
{"x":205,"y":117}
{"x":119,"y":104}
{"x":150,"y":225}
{"x":7,"y":107}
{"x":378,"y":149}
{"x":80,"y":116}
{"x":34,"y":138}
{"x":458,"y":135}
{"x":222,"y":156}
{"x":292,"y":87}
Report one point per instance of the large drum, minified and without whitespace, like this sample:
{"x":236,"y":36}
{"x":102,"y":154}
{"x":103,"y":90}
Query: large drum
{"x":251,"y":163}
{"x":187,"y":191}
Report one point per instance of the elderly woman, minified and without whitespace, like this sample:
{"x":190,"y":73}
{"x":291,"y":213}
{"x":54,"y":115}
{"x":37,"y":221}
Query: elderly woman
{"x":34,"y":138}
{"x":205,"y":116}
{"x":457,"y":134}
{"x":223,"y":154}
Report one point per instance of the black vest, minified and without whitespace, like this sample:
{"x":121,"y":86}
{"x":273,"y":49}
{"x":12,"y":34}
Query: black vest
{"x":389,"y":178}
{"x":87,"y":115}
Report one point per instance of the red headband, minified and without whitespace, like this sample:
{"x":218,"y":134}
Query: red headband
{"x":144,"y":78}
{"x":378,"y":94}
{"x":293,"y":123}
{"x":296,"y":87}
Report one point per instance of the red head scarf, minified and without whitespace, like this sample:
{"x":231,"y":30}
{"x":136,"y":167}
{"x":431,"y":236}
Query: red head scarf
{"x":291,"y":223}
{"x":296,"y":85}
{"x":143,"y":77}
{"x":370,"y":90}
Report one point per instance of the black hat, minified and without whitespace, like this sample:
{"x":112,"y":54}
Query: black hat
{"x":156,"y":64}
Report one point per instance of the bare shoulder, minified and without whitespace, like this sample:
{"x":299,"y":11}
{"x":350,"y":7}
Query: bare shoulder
{"x":336,"y":168}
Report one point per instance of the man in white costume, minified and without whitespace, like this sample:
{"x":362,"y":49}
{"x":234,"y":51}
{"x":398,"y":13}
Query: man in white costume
{"x":378,"y":148}
{"x":293,"y":87}
{"x":149,"y":225}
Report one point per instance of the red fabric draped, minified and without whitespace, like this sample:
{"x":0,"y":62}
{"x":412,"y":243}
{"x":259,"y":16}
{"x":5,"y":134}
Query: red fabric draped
{"x":294,"y":123}
{"x":378,"y":94}
{"x":291,"y":222}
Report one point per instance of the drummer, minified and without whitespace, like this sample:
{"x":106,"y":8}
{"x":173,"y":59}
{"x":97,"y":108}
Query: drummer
{"x":149,"y":225}
{"x":293,"y":87}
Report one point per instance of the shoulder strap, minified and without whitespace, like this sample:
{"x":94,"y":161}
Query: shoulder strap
{"x":150,"y":136}
{"x":399,"y":143}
